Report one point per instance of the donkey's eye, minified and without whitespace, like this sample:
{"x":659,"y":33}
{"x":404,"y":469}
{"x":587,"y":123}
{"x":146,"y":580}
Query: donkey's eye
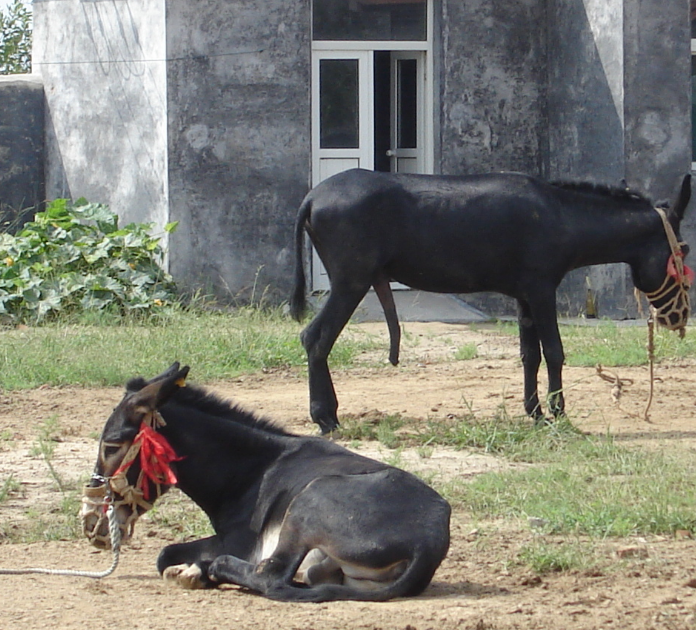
{"x":111,"y":449}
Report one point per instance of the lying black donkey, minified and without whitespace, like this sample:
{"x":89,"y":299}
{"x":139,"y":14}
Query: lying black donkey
{"x":295,"y":518}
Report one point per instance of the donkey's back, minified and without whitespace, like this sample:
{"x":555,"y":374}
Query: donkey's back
{"x":444,"y":234}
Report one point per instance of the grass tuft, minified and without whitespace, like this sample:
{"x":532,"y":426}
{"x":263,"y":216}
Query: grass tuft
{"x":544,"y":556}
{"x":592,"y":487}
{"x":217,"y":344}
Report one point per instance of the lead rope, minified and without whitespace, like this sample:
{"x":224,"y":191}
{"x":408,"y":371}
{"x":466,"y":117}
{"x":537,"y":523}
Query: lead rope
{"x":679,"y":303}
{"x":115,"y":535}
{"x":651,"y":364}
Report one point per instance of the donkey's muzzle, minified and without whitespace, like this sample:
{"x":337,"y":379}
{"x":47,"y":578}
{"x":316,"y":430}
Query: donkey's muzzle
{"x":95,"y":524}
{"x":672,"y":306}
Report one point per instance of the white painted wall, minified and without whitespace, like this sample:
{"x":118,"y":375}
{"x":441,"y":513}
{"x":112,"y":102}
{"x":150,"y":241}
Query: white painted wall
{"x":104,"y":72}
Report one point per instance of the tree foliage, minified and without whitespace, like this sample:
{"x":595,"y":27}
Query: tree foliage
{"x":15,"y":38}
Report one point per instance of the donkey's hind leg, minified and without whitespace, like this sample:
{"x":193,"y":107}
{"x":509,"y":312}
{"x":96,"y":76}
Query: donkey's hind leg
{"x":318,"y":339}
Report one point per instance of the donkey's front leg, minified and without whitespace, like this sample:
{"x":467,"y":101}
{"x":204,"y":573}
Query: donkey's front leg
{"x":267,"y":576}
{"x":546,"y":324}
{"x":186,"y":564}
{"x":530,"y":353}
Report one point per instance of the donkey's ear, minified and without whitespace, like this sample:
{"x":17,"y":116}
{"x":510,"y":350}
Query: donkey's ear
{"x":684,"y":197}
{"x":157,"y":392}
{"x":172,"y":369}
{"x":137,"y":383}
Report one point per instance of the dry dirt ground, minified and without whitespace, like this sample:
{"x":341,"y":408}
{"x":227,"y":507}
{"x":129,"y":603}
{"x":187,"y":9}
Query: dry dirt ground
{"x":479,"y":586}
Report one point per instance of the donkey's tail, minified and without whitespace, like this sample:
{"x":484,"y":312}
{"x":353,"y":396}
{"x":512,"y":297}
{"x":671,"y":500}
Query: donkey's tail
{"x":298,"y":300}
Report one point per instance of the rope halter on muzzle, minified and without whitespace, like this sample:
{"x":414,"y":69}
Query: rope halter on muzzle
{"x":156,"y":456}
{"x":670,"y":303}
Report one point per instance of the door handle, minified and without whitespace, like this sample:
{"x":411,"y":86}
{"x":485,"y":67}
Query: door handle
{"x":391,"y":153}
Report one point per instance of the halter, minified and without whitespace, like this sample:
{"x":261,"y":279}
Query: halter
{"x":678,"y":280}
{"x":156,"y":455}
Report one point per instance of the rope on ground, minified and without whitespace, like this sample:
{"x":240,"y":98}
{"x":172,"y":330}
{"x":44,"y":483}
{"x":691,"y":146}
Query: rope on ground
{"x":617,"y":383}
{"x":114,"y":533}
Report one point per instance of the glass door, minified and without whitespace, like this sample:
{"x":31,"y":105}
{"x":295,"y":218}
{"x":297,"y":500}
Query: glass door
{"x":343,"y":127}
{"x":407,"y":109}
{"x":343,"y":123}
{"x":372,"y":102}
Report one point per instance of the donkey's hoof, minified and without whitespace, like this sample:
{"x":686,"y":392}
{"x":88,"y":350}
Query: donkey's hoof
{"x":327,"y":428}
{"x":188,"y":576}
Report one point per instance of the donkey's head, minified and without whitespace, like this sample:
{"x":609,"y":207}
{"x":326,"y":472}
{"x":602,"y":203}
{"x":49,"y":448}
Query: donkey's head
{"x":133,"y":467}
{"x":661,"y":273}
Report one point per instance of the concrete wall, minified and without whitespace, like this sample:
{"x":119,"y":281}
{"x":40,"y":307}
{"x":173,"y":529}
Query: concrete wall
{"x":239,"y":140}
{"x":492,"y":88}
{"x":103,"y":67}
{"x":619,"y":105}
{"x":21,"y":149}
{"x":492,"y":79}
{"x":586,"y":127}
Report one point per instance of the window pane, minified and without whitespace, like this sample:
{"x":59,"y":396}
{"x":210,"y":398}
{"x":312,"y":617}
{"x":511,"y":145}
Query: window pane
{"x":369,"y":20}
{"x":339,"y":126}
{"x":693,"y":19}
{"x":693,"y":108}
{"x":408,"y":99}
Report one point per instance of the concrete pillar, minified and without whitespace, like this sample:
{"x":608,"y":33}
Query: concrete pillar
{"x":21,"y":149}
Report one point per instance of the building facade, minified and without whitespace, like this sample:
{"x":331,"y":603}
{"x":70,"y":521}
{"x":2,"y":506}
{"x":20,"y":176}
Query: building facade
{"x":222,"y":114}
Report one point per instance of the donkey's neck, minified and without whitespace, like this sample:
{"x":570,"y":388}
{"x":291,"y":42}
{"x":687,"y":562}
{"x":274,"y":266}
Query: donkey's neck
{"x":610,"y":235}
{"x":221,"y":460}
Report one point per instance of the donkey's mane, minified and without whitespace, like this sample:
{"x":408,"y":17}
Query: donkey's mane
{"x":603,"y":190}
{"x":207,"y":402}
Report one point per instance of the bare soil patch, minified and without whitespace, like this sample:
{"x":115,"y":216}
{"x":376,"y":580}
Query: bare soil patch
{"x":479,"y":586}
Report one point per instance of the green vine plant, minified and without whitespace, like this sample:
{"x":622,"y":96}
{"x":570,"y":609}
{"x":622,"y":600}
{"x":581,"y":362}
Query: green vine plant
{"x":74,"y":258}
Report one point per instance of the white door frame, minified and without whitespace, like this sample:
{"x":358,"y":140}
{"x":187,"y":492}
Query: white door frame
{"x":327,"y":162}
{"x":346,"y":50}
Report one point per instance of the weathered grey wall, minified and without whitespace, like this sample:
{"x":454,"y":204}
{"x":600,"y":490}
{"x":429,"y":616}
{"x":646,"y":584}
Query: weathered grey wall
{"x":492,"y":76}
{"x":239,"y":140}
{"x":658,"y":102}
{"x":658,"y":94}
{"x":585,"y":90}
{"x":103,"y":67}
{"x":492,"y":79}
{"x":21,"y":149}
{"x":586,"y":127}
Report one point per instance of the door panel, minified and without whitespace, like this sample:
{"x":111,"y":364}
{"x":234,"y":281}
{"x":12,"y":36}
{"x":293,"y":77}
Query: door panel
{"x":407,"y":109}
{"x":343,"y":124}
